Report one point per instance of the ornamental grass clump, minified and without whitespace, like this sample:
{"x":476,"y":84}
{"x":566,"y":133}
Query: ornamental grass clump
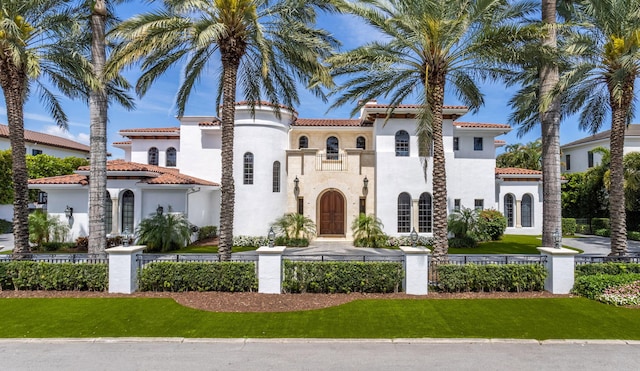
{"x":628,"y":294}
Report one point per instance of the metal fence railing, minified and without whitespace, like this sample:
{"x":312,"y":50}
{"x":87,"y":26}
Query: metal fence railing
{"x":345,"y":258}
{"x":145,"y":259}
{"x":331,"y":162}
{"x":58,"y":258}
{"x":588,"y":259}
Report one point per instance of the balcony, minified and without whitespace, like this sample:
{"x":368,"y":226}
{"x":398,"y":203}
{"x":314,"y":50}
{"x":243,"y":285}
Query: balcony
{"x":332,"y":162}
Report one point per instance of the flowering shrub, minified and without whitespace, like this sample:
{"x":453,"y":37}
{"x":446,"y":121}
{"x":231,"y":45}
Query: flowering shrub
{"x":593,"y":286}
{"x":628,"y":294}
{"x":250,"y":241}
{"x":406,"y":241}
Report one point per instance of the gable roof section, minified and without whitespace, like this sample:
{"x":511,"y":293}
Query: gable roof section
{"x":151,"y":133}
{"x":633,"y":130}
{"x":149,"y":174}
{"x":327,"y":122}
{"x":511,"y":174}
{"x":47,"y":139}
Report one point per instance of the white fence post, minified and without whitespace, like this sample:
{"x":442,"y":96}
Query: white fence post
{"x":270,"y":269}
{"x":416,"y":270}
{"x":560,"y":269}
{"x":123,"y":268}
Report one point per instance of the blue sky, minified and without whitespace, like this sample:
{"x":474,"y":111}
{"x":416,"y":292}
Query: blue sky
{"x":157,"y":109}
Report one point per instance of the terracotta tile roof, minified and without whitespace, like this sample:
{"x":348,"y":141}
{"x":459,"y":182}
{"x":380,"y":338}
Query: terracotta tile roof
{"x":480,"y":125}
{"x":165,"y":175}
{"x":632,"y":130}
{"x":499,"y":142}
{"x":215,"y":122}
{"x":152,"y":130}
{"x":375,"y":105}
{"x":265,"y":103}
{"x":326,"y":122}
{"x":125,"y":143}
{"x":50,"y":140}
{"x":516,"y":171}
{"x":62,"y":179}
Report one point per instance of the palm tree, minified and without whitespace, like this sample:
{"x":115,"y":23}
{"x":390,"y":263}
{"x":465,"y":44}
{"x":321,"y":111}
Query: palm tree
{"x":602,"y":82}
{"x":425,"y":45}
{"x":265,"y":46}
{"x":34,"y":47}
{"x":526,"y":156}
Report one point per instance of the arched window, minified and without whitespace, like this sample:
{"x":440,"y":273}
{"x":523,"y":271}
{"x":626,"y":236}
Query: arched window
{"x":127,"y":212}
{"x":248,"y":168}
{"x":527,"y":211}
{"x":303,"y":142}
{"x":152,"y":158}
{"x":404,"y":213}
{"x":332,"y":148}
{"x":276,"y":176}
{"x":108,"y":216}
{"x":361,"y":142}
{"x":402,"y":144}
{"x":508,"y":209}
{"x":171,"y":157}
{"x":425,"y":214}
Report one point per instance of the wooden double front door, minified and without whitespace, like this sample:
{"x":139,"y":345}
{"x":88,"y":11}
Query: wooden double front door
{"x":332,"y":213}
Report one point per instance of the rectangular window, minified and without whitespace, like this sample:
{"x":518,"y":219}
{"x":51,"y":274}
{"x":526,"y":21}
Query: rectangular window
{"x":456,"y":143}
{"x":478,"y":204}
{"x":590,"y":159}
{"x":567,"y":161}
{"x":276,"y":176}
{"x":477,"y":143}
{"x":456,"y":204}
{"x":36,"y":152}
{"x":363,"y":205}
{"x":300,"y":205}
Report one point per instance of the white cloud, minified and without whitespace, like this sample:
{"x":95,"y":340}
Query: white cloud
{"x":57,"y":131}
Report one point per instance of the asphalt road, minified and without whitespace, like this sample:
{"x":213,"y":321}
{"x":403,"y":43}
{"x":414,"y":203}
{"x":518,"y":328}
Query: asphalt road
{"x":251,"y":354}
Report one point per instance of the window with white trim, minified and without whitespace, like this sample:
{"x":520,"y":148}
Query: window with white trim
{"x":247,"y":176}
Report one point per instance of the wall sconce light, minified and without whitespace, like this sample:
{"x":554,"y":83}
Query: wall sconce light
{"x":296,"y":188}
{"x":365,"y":185}
{"x":271,"y":236}
{"x":557,"y":239}
{"x":125,"y":239}
{"x":68,"y":212}
{"x":159,"y":210}
{"x":414,"y":237}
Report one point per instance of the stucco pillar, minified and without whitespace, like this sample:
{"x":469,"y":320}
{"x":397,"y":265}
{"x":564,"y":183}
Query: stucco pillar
{"x":416,"y":270}
{"x":518,"y":214}
{"x":270,"y":269}
{"x":560,"y":269}
{"x":123,"y":268}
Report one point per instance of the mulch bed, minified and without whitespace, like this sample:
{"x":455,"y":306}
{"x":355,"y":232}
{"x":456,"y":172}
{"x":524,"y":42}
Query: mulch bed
{"x":255,"y":302}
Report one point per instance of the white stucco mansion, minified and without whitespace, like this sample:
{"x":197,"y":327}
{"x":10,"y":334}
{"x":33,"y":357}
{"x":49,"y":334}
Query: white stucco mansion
{"x":330,"y":170}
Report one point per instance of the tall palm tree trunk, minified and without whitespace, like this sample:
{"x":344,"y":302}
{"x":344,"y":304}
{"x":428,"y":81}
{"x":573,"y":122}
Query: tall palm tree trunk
{"x":550,"y":124}
{"x":98,"y":140}
{"x":230,"y":65}
{"x":13,"y":80}
{"x":435,"y":95}
{"x":617,"y":211}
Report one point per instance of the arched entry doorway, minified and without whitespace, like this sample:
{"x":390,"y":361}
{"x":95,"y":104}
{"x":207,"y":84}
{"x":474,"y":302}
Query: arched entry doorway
{"x":332,"y":214}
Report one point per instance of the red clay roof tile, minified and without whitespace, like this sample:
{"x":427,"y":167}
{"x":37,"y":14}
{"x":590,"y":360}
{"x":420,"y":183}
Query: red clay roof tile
{"x":51,"y":140}
{"x":326,"y":122}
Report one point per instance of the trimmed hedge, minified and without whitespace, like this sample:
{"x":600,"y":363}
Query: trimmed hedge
{"x":602,"y":232}
{"x":194,"y":276}
{"x":569,"y":226}
{"x":491,"y":277}
{"x":592,"y":286}
{"x":600,"y":223}
{"x":342,"y":277}
{"x":633,"y":235}
{"x":30,"y":275}
{"x":606,"y":268}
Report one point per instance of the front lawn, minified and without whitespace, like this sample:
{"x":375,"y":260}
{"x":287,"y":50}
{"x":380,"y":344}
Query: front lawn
{"x":509,"y":244}
{"x":556,"y":318}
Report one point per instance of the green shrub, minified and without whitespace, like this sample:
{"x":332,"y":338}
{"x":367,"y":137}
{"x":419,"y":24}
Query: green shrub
{"x":593,"y":286}
{"x":208,"y":231}
{"x":406,"y":241}
{"x":192,"y":276}
{"x":491,"y":224}
{"x":46,"y":228}
{"x":583,"y":229}
{"x":342,"y":277}
{"x":600,"y":223}
{"x":164,"y":232}
{"x":30,"y":275}
{"x":568,"y":226}
{"x":56,"y":246}
{"x":491,"y":277}
{"x":294,"y":225}
{"x":463,"y":242}
{"x":606,"y":268}
{"x":5,"y":226}
{"x":603,"y":232}
{"x":250,"y":241}
{"x":367,"y":231}
{"x":291,"y":242}
{"x":633,"y":235}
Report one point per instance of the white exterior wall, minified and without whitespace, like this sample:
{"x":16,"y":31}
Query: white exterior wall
{"x":140,"y":150}
{"x":46,"y":149}
{"x":78,"y":199}
{"x":470,"y":179}
{"x":579,"y":153}
{"x":519,"y":189}
{"x":267,"y":138}
{"x":200,"y":149}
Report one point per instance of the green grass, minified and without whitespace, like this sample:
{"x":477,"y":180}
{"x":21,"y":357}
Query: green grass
{"x":557,"y":318}
{"x":509,"y":244}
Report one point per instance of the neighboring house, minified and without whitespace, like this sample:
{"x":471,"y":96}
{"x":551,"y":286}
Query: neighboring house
{"x":330,"y":170}
{"x":39,"y":143}
{"x":577,"y":156}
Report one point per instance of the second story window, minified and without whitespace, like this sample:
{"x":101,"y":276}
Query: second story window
{"x":402,"y":144}
{"x":171,"y":157}
{"x":247,"y":177}
{"x":152,"y":157}
{"x":456,"y":143}
{"x":590,"y":159}
{"x":361,"y":142}
{"x":567,"y":161}
{"x":332,"y":148}
{"x":477,"y":143}
{"x":303,"y":142}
